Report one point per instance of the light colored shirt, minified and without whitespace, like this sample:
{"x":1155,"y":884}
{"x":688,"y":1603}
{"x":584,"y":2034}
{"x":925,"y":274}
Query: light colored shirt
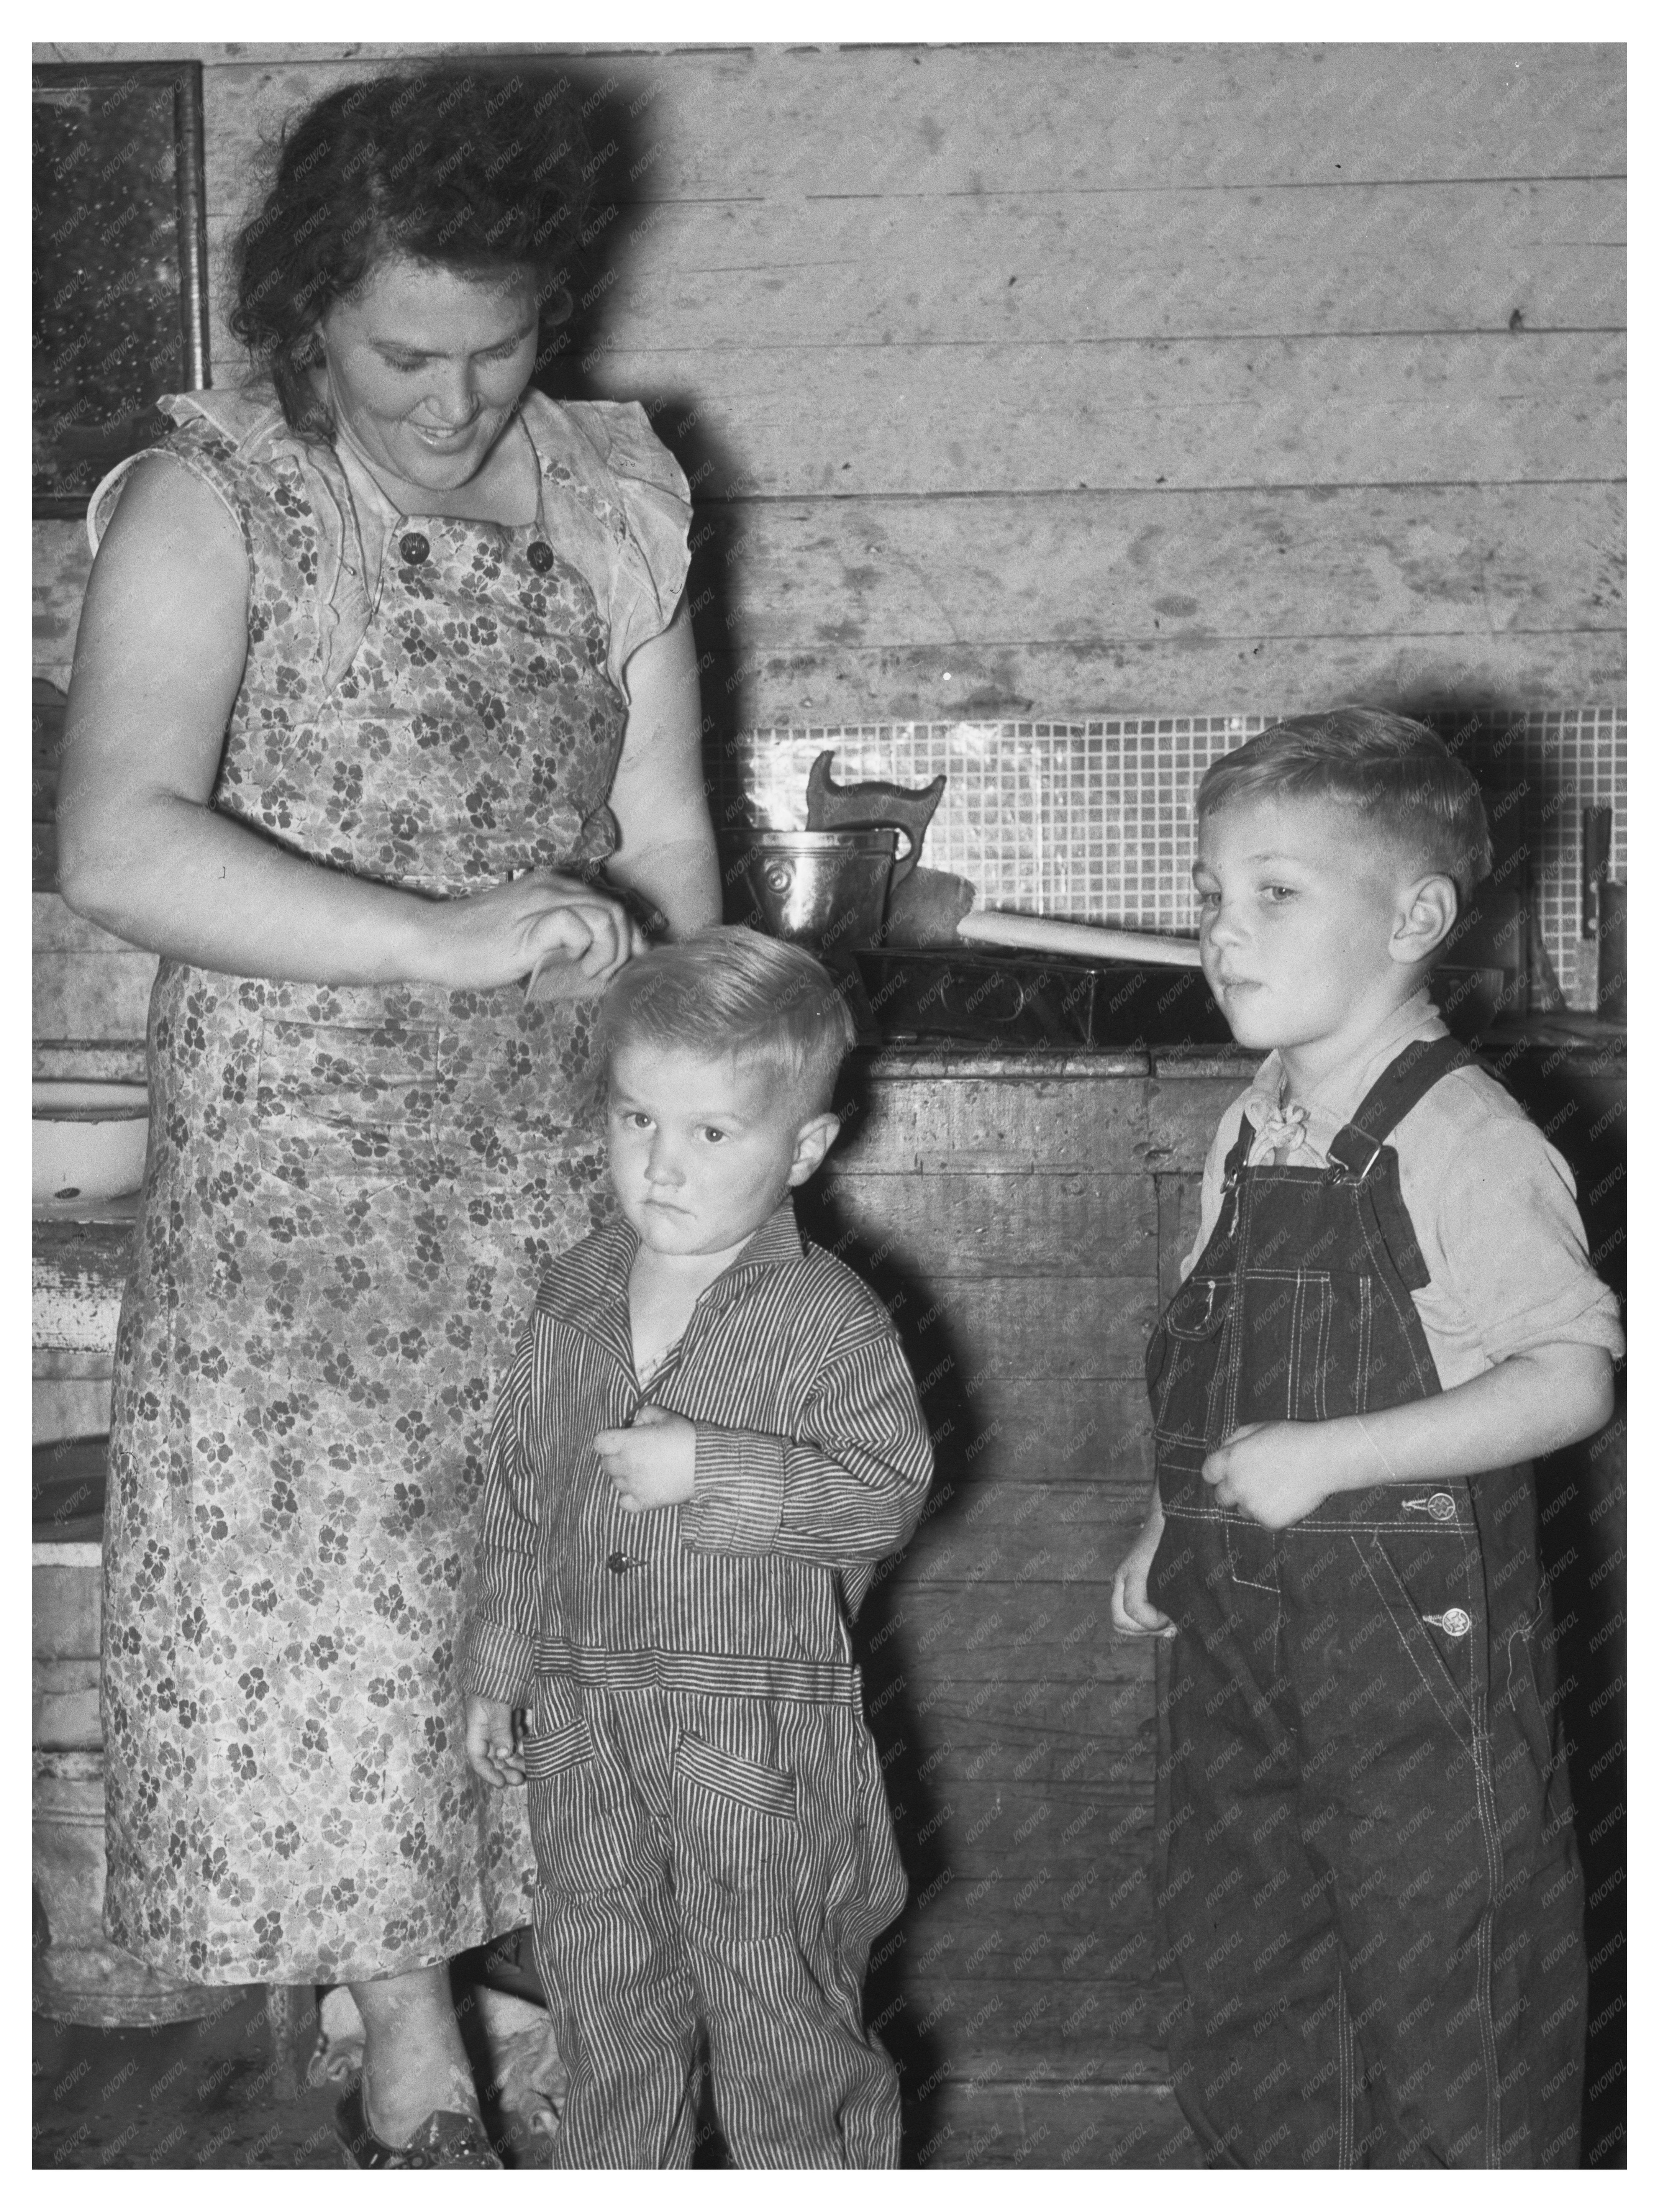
{"x":1491,"y":1200}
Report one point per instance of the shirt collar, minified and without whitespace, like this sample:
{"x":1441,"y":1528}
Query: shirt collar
{"x":777,"y":1243}
{"x":1307,"y":1127}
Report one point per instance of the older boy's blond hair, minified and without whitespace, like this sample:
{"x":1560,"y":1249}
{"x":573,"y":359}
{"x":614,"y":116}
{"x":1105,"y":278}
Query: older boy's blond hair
{"x":1395,"y":774}
{"x":730,"y":992}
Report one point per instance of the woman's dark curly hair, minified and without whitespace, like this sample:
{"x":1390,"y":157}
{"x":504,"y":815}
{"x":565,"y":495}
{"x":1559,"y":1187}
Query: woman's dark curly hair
{"x":477,"y":170}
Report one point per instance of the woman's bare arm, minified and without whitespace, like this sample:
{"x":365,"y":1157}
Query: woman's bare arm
{"x":160,"y":657}
{"x":659,"y":796}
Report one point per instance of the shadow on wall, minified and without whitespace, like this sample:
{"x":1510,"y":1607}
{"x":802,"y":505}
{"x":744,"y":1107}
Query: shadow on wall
{"x":1581,"y":1517}
{"x":619,"y":124}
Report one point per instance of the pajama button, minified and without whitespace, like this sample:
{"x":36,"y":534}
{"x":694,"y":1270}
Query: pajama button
{"x":414,"y":548}
{"x":1456,"y":1622}
{"x":539,"y":556}
{"x":1442,"y":1507}
{"x":618,"y":1564}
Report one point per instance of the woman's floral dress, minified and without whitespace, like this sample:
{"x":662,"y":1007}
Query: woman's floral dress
{"x":350,"y":1194}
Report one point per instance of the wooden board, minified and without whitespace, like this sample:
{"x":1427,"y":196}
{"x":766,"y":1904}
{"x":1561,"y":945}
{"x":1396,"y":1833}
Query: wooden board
{"x":1132,"y":414}
{"x":998,"y":1632}
{"x":1020,"y":1124}
{"x":62,"y":1405}
{"x":1184,"y":1113}
{"x":55,"y":927}
{"x":1179,"y":1212}
{"x":986,"y":118}
{"x":1084,"y":1431}
{"x":1053,"y":2124}
{"x":1058,"y":266}
{"x":1008,"y":1528}
{"x":1010,"y":2030}
{"x":103,"y":995}
{"x":67,"y":1610}
{"x":700,"y":277}
{"x":1070,"y":1328}
{"x":78,"y":1271}
{"x":1131,"y":2003}
{"x":61,"y":562}
{"x":63,"y":1704}
{"x":1048,"y":1841}
{"x":981,"y":1225}
{"x":856,"y":610}
{"x":1161,"y":568}
{"x":1271,"y":602}
{"x":1050,"y":1724}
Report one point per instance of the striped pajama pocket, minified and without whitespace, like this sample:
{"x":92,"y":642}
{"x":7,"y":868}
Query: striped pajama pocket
{"x":581,"y":1843}
{"x":740,"y":1846}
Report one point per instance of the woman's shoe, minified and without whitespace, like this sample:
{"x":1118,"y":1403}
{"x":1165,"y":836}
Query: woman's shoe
{"x":442,"y":2139}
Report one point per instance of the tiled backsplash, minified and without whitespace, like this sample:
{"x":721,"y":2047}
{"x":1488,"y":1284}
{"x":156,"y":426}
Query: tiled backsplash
{"x":1093,"y":820}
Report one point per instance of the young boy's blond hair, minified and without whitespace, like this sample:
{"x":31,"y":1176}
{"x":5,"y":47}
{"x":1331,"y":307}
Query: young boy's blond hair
{"x":728,"y":991}
{"x":1396,"y":775}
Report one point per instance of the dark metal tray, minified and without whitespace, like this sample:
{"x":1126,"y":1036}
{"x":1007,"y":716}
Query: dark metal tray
{"x":1014,"y":998}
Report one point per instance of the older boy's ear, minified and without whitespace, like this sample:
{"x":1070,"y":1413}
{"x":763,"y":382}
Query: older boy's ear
{"x":812,"y":1140}
{"x":1426,"y":914}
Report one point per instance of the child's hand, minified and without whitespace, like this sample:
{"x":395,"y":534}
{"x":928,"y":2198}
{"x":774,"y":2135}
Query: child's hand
{"x":493,"y":1734}
{"x":1274,"y":1471}
{"x":652,"y":1464}
{"x":1133,"y":1612}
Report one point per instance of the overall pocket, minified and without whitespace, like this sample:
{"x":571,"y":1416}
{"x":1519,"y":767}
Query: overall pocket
{"x":1438,"y":1632}
{"x":1284,"y":1326}
{"x":1187,"y":1361}
{"x":1252,"y":1553}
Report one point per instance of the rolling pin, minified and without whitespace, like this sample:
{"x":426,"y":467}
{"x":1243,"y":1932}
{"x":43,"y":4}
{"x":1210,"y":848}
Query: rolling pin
{"x":1031,"y":933}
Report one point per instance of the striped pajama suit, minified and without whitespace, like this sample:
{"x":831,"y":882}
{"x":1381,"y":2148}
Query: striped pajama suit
{"x":713,"y":1841}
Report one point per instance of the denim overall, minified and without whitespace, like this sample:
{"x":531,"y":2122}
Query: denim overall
{"x":1371,"y":1885}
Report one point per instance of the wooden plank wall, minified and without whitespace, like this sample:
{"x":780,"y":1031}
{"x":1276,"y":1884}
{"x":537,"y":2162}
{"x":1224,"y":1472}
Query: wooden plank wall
{"x":1035,"y":379}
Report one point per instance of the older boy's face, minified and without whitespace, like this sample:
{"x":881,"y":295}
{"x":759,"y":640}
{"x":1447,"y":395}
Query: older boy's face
{"x":1299,"y":905}
{"x":701,"y":1150}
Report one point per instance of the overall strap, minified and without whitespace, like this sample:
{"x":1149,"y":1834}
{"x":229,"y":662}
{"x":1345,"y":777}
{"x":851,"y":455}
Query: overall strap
{"x":1402,"y":1084}
{"x":1234,"y":1165}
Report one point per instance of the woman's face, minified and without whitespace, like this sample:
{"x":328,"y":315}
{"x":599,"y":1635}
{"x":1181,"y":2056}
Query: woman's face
{"x":424,"y":368}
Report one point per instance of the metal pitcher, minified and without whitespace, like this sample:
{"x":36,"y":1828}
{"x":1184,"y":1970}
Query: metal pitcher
{"x":825,"y":888}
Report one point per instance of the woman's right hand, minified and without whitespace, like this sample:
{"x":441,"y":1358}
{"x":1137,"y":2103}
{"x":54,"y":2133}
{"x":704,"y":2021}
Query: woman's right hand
{"x":571,"y":938}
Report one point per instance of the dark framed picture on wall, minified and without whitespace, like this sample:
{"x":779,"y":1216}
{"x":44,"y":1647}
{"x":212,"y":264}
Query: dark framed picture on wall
{"x":120,"y":250}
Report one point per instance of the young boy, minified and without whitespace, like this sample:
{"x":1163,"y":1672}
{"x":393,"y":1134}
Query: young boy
{"x":1371,"y":1885}
{"x":708,"y":1441}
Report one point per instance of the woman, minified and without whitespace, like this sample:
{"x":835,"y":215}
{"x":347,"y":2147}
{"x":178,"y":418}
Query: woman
{"x":367,"y":649}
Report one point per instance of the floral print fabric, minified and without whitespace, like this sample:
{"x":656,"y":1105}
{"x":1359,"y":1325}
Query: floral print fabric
{"x":350,"y":1196}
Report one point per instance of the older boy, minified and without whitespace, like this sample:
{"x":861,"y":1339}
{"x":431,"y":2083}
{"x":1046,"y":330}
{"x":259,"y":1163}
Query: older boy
{"x":1372,"y":1883}
{"x":708,"y":1441}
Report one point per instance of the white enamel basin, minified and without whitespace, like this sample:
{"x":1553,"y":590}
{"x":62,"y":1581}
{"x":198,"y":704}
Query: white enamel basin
{"x":88,"y":1140}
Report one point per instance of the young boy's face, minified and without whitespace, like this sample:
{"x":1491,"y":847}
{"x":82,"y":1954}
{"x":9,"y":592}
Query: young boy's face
{"x":1300,"y":905}
{"x":701,"y":1150}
